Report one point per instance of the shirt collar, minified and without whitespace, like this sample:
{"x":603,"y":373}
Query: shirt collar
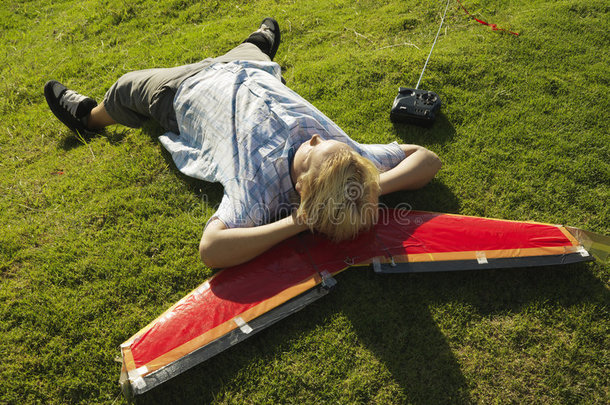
{"x":290,"y":159}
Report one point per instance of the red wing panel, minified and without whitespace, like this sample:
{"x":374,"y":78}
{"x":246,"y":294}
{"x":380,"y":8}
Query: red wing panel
{"x":416,"y":236}
{"x":237,"y":295}
{"x":425,"y":236}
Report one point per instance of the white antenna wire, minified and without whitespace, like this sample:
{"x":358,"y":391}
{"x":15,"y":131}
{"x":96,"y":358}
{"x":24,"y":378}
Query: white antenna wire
{"x":435,"y":38}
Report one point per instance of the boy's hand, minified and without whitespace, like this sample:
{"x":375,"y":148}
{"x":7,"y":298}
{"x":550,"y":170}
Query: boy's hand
{"x":223,"y":247}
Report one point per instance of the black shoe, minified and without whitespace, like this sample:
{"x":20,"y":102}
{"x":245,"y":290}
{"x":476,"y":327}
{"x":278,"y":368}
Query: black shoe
{"x":70,"y":107}
{"x":267,"y":37}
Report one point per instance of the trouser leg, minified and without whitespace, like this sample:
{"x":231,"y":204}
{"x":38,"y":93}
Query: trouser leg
{"x":144,"y":94}
{"x":244,"y":51}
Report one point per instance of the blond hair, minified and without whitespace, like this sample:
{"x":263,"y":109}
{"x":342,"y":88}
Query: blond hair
{"x":340,"y":199}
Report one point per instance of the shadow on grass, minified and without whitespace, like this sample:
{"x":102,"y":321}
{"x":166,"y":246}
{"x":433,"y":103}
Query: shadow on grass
{"x":435,"y":197}
{"x":72,"y":141}
{"x":406,"y":338}
{"x":210,"y":193}
{"x":398,"y":328}
{"x":442,"y":131}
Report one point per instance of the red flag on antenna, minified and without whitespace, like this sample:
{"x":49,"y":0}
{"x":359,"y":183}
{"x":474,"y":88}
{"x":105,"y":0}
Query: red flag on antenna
{"x":493,"y":26}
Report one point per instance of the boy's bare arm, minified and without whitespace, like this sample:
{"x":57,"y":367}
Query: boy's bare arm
{"x":416,"y":170}
{"x":223,"y":247}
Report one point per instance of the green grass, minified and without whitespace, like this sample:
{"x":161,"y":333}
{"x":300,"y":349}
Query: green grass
{"x":90,"y":256}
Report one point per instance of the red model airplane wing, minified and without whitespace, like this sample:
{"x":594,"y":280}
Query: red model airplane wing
{"x":242,"y":300}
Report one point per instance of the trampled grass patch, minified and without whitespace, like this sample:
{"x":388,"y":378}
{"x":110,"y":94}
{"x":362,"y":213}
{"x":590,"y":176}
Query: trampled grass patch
{"x":100,"y":235}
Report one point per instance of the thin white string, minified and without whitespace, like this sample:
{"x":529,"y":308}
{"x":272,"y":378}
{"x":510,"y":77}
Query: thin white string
{"x":435,"y":38}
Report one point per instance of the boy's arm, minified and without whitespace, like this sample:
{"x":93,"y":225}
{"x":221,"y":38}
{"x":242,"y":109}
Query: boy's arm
{"x":223,"y":247}
{"x":415,"y":171}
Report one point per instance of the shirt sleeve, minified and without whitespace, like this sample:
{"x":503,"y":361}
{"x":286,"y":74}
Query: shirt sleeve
{"x":225,"y":213}
{"x":242,"y":211}
{"x":383,"y":156}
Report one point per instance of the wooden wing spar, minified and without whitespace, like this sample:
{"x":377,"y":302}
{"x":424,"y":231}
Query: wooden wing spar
{"x":242,"y":300}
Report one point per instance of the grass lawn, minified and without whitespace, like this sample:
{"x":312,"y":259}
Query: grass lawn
{"x":99,"y":236}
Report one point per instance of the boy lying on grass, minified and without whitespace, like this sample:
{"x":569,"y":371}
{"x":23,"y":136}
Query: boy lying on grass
{"x":284,"y":165}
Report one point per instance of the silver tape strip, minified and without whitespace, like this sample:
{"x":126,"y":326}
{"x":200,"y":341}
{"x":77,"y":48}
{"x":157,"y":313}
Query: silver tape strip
{"x":243,"y":326}
{"x":376,"y":265}
{"x":139,"y":383}
{"x":481,"y":258}
{"x":135,"y":376}
{"x":137,"y":373}
{"x":142,"y":370}
{"x":583,"y":252}
{"x":328,"y":281}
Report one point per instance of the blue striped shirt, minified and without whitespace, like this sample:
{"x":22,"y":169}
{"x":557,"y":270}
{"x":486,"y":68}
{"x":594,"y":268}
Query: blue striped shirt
{"x":240,"y":126}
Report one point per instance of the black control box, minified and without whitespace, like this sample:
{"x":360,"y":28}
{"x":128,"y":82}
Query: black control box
{"x":415,"y":106}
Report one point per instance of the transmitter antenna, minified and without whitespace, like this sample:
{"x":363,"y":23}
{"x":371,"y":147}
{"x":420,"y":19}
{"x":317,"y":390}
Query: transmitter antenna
{"x":434,"y":43}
